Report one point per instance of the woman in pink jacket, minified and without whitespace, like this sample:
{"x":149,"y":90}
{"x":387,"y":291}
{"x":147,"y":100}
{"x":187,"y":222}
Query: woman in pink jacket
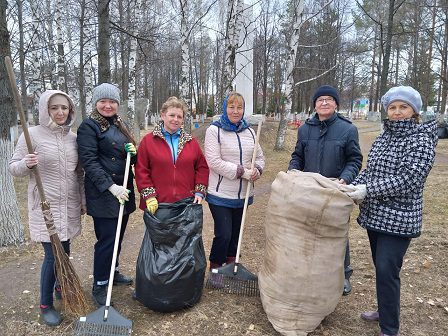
{"x":229,"y":146}
{"x":56,"y":156}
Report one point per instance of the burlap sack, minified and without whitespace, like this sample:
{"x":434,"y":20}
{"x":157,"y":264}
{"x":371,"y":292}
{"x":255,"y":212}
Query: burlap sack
{"x":302,"y":276}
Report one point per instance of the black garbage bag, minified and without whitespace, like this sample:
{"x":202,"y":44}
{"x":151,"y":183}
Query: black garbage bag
{"x":171,"y":263}
{"x":442,"y":131}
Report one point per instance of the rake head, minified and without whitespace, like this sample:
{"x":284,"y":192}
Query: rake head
{"x":95,"y":325}
{"x":225,"y":279}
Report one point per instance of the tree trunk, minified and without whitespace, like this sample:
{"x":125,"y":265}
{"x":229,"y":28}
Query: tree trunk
{"x":11,"y":230}
{"x":229,"y":51}
{"x":445,"y":62}
{"x":428,"y":76}
{"x":372,"y":82}
{"x":62,"y":85}
{"x":22,"y":59}
{"x":290,"y":64}
{"x":386,"y":58}
{"x":185,"y":56}
{"x":36,"y":66}
{"x":103,"y":42}
{"x":132,"y":74}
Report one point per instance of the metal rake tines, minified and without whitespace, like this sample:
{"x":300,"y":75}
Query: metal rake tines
{"x":98,"y":329}
{"x":233,"y":285}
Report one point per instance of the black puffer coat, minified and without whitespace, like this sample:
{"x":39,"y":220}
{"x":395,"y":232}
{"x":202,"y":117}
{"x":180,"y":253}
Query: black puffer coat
{"x":329,"y":147}
{"x":101,"y":152}
{"x":397,"y":167}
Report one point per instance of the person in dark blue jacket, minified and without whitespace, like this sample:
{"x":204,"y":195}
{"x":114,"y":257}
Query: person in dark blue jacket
{"x":327,"y":144}
{"x":103,"y":141}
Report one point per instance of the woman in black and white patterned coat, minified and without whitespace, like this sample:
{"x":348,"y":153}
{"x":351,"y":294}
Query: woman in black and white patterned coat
{"x":391,"y":192}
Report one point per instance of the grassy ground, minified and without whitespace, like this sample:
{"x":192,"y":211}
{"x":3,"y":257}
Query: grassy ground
{"x":424,"y":275}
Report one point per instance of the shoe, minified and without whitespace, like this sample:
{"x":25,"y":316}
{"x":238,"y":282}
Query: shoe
{"x":51,"y":316}
{"x":57,"y":293}
{"x":382,"y":334}
{"x":215,"y":280}
{"x":99,"y":294}
{"x":370,"y":316}
{"x":122,"y":280}
{"x":347,"y":287}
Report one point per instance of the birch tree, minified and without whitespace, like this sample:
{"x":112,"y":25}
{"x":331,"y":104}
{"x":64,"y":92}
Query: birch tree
{"x":36,"y":65}
{"x":132,"y":74}
{"x":297,"y":21}
{"x":185,"y":60}
{"x":62,"y":85}
{"x":11,"y":230}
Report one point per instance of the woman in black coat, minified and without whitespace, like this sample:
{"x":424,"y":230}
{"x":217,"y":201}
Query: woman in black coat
{"x":103,"y":141}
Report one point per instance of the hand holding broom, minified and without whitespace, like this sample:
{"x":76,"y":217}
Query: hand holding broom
{"x":71,"y":291}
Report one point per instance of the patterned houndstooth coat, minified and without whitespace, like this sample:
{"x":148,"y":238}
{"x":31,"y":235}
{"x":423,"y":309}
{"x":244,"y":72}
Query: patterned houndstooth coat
{"x":397,"y":167}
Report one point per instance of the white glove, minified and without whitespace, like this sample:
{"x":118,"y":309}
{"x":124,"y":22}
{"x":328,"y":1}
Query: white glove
{"x":356,"y":192}
{"x":247,"y":174}
{"x":119,"y":192}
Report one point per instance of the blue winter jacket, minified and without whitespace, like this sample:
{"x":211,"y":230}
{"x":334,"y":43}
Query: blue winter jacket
{"x":329,"y":147}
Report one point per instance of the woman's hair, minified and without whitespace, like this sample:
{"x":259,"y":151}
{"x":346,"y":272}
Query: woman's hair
{"x":416,"y":116}
{"x":122,"y":127}
{"x":235,"y":97}
{"x":176,"y":103}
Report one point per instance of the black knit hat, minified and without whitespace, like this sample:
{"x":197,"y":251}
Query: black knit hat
{"x":326,"y":90}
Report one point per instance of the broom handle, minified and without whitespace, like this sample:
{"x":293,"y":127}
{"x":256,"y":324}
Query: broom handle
{"x":18,"y":101}
{"x":246,"y":200}
{"x":117,"y":239}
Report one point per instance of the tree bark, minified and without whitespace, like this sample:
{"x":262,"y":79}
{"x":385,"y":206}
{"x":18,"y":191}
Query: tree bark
{"x":388,"y":46}
{"x":36,"y":65}
{"x":290,"y":65}
{"x":11,"y":230}
{"x":22,"y":58}
{"x":103,"y":42}
{"x":185,"y":56}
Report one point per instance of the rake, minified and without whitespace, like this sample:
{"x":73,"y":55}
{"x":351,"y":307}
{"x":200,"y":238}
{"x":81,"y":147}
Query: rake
{"x":234,"y":278}
{"x":106,"y":320}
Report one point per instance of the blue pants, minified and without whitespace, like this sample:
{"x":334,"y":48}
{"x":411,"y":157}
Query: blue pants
{"x":227,"y":230}
{"x":387,"y":253}
{"x":105,"y":229}
{"x":48,"y":278}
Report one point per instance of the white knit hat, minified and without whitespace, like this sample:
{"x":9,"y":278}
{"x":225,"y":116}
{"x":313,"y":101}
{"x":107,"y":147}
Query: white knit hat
{"x":406,"y":94}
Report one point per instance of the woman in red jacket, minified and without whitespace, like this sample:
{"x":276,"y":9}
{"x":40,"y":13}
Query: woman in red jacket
{"x":170,"y":163}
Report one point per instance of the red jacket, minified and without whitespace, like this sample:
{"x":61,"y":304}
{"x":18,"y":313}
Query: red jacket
{"x":157,"y":175}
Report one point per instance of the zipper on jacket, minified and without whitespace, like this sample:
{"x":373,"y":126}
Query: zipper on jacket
{"x":219,"y":182}
{"x":172,"y":146}
{"x":241,"y":163}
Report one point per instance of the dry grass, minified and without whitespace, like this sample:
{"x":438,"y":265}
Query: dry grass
{"x":424,"y":275}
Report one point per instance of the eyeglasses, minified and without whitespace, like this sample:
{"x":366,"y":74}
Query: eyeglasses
{"x":327,"y":100}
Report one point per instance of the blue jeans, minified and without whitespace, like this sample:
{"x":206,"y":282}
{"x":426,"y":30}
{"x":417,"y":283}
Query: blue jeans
{"x":227,"y":230}
{"x":105,"y":229}
{"x":387,"y":253}
{"x":48,"y":277}
{"x":348,"y":270}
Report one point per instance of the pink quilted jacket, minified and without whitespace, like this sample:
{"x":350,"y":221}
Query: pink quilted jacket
{"x":61,"y":174}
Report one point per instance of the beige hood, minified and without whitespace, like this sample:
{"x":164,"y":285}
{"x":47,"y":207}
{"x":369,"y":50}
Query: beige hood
{"x":44,"y":117}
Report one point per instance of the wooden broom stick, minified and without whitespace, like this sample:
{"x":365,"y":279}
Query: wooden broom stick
{"x":72,"y":294}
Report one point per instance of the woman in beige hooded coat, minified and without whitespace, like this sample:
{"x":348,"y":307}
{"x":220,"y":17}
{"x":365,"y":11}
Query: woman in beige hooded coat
{"x":56,"y":156}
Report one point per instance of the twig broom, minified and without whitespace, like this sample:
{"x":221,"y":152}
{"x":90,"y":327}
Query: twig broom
{"x":72,"y":294}
{"x":234,"y":278}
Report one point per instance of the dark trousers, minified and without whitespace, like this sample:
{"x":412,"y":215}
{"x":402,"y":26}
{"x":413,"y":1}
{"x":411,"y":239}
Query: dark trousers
{"x":348,"y":270}
{"x":227,"y":230}
{"x":387,"y":253}
{"x":105,"y":229}
{"x":48,"y":279}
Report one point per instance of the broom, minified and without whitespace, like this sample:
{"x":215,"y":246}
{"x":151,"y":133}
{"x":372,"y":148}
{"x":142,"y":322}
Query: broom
{"x":106,"y":320}
{"x":234,"y":278}
{"x":71,"y":291}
